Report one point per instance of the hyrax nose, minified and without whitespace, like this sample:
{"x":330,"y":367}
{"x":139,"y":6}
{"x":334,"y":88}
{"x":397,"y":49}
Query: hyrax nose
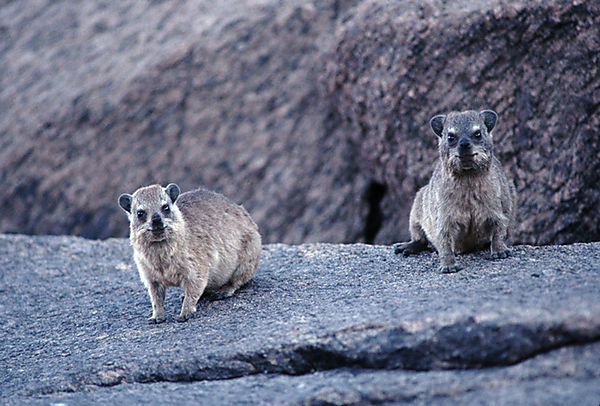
{"x":464,"y":143}
{"x":156,"y":219}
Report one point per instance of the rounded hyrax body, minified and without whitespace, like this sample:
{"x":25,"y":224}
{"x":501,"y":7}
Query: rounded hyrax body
{"x":469,"y":203}
{"x":196,"y":241}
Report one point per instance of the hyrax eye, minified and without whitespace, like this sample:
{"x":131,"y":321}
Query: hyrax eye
{"x":451,"y":138}
{"x":166,"y":208}
{"x":477,"y":134}
{"x":141,"y":214}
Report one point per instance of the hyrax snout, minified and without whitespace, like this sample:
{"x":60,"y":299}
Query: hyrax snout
{"x":197,"y":241}
{"x":469,"y":203}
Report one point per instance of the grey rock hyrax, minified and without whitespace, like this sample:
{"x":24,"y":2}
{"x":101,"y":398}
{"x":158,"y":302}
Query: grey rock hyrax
{"x":469,"y":203}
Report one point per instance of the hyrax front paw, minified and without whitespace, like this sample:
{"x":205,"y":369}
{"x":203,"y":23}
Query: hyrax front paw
{"x":448,"y":263}
{"x":156,"y":320}
{"x":185,"y":317}
{"x":449,"y":268}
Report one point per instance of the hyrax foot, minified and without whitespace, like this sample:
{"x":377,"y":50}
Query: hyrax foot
{"x":410,"y":248}
{"x":184,"y":318}
{"x":155,"y":320}
{"x":449,"y":269}
{"x":500,"y":254}
{"x":224,"y":292}
{"x":219,"y":295}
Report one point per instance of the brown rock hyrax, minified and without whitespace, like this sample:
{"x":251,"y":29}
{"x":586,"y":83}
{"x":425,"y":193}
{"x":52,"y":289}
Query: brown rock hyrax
{"x":197,"y":241}
{"x":469,"y":204}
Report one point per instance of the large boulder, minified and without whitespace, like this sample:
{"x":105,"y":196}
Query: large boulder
{"x":318,"y":324}
{"x":398,"y":63}
{"x":101,"y":99}
{"x":312,"y":113}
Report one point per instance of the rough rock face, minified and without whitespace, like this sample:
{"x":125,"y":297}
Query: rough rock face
{"x":313,"y":114}
{"x":536,"y":63}
{"x":319,"y":324}
{"x":225,"y":96}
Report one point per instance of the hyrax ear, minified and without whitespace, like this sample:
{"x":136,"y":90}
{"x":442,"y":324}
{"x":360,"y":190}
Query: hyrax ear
{"x":173,"y":191}
{"x":489,"y":118}
{"x":437,"y":124}
{"x":125,"y":202}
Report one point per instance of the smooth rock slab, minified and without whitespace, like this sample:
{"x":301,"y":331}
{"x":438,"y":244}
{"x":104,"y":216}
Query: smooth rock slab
{"x":320,"y":323}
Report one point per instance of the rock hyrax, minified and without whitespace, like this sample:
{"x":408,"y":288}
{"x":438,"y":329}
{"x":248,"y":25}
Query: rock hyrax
{"x":468,"y":203}
{"x":197,"y":240}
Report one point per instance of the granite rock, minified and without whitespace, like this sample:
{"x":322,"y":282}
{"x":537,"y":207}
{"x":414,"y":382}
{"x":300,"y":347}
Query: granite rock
{"x":397,"y":64}
{"x":319,"y":324}
{"x":313,"y":114}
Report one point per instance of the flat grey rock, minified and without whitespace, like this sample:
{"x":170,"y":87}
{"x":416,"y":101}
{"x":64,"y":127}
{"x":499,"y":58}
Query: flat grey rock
{"x":319,"y":324}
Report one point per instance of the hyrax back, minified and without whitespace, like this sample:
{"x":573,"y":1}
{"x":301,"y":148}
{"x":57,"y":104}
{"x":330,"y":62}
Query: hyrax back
{"x":469,"y":203}
{"x":196,"y":241}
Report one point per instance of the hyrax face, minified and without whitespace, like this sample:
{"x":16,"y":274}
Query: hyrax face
{"x":465,"y":140}
{"x":153,"y":215}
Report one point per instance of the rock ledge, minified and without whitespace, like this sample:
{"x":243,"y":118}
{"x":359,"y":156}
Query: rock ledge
{"x":320,"y":324}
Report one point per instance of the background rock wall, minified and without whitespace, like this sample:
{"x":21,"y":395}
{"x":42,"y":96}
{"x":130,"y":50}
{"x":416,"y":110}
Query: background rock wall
{"x":313,"y":114}
{"x":396,"y":64}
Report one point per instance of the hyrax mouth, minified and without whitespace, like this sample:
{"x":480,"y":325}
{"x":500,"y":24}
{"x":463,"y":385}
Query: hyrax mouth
{"x":466,"y":156}
{"x":157,"y":226}
{"x":157,"y":232}
{"x":464,"y":161}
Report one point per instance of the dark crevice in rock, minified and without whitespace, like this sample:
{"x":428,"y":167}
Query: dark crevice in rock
{"x":373,"y":197}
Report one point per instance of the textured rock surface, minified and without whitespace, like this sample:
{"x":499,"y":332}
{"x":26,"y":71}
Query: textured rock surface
{"x":536,"y":63}
{"x":320,"y":324}
{"x":313,"y":114}
{"x":196,"y":93}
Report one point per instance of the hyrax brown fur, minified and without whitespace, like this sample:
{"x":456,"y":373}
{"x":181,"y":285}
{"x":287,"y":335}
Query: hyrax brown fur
{"x":196,"y":241}
{"x":469,"y":203}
